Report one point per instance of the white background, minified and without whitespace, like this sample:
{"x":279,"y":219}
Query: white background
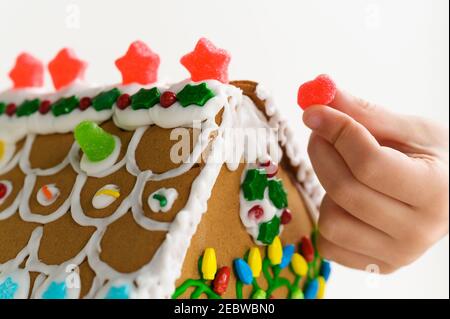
{"x":391,"y":52}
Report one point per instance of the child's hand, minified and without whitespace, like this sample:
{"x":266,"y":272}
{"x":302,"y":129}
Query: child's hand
{"x":386,"y":181}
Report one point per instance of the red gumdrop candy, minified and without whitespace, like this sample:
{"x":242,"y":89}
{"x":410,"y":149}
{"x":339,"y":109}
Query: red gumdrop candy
{"x":207,"y":62}
{"x":139,"y":65}
{"x":321,"y":90}
{"x":65,"y":68}
{"x":307,"y":249}
{"x":27,"y":72}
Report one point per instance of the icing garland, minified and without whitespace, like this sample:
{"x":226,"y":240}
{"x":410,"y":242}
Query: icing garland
{"x":249,"y":268}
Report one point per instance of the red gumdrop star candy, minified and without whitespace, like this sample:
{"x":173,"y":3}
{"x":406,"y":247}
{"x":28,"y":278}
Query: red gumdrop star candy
{"x":167,"y":99}
{"x":123,"y":101}
{"x":139,"y":65}
{"x":65,"y":68}
{"x":207,"y":62}
{"x":321,"y":90}
{"x":45,"y":107}
{"x":27,"y":72}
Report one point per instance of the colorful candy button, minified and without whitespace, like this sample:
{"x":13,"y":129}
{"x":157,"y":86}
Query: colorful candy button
{"x":243,"y":271}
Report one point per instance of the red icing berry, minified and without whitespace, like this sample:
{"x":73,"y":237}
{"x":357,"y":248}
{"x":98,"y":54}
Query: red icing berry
{"x":307,"y":249}
{"x":256,"y":212}
{"x":3,"y":190}
{"x":207,"y":62}
{"x":167,"y":99}
{"x":286,"y":217}
{"x":85,"y":102}
{"x":270,"y":167}
{"x":123,"y":101}
{"x":11,"y":109}
{"x":45,"y":107}
{"x":220,"y":283}
{"x":139,"y":64}
{"x":27,"y":72}
{"x":321,"y":90}
{"x":65,"y":68}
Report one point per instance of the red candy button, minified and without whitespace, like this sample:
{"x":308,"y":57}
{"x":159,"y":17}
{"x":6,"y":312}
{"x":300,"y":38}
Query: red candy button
{"x":270,"y":167}
{"x":207,"y":62}
{"x":167,"y":99}
{"x":123,"y":101}
{"x":307,"y":249}
{"x":256,"y":212}
{"x":286,"y":217}
{"x":3,"y":190}
{"x":11,"y":109}
{"x":85,"y":102}
{"x":139,"y":64}
{"x":45,"y":107}
{"x":27,"y":72}
{"x":321,"y":90}
{"x":65,"y":68}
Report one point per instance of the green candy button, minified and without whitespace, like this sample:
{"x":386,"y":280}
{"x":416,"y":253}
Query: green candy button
{"x":96,"y":143}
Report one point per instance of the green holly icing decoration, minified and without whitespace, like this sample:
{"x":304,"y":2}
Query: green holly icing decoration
{"x":96,"y":143}
{"x":145,"y":98}
{"x":255,"y":183}
{"x":277,"y":194}
{"x":105,"y":100}
{"x":28,"y":107}
{"x":161,"y":199}
{"x":195,"y":94}
{"x":2,"y":108}
{"x":268,"y":230}
{"x":65,"y":106}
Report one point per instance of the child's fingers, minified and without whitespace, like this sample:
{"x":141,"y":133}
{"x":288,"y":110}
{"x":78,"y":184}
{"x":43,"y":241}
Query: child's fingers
{"x":370,"y":163}
{"x":361,"y":201}
{"x":349,"y":232}
{"x":349,"y":258}
{"x":382,"y":123}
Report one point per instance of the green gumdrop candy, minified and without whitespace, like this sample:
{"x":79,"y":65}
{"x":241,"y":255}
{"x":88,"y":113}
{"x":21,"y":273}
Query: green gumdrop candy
{"x":96,"y":143}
